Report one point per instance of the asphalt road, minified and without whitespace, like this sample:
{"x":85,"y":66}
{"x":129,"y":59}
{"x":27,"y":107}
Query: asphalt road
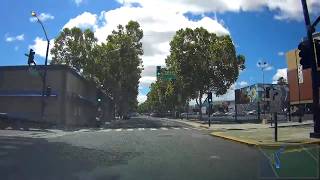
{"x":168,"y":151}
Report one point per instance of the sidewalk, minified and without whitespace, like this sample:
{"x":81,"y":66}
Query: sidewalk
{"x":289,"y":133}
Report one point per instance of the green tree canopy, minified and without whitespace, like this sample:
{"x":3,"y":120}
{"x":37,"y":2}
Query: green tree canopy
{"x":74,"y":48}
{"x":204,"y":62}
{"x":114,"y":65}
{"x":122,"y":65}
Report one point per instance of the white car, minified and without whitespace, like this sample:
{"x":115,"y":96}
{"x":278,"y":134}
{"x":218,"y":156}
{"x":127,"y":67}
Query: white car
{"x":253,"y":112}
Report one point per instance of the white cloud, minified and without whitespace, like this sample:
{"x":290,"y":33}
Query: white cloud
{"x":14,"y":38}
{"x":283,"y":9}
{"x":226,"y":97}
{"x":243,"y":83}
{"x":43,"y":17}
{"x":268,"y":68}
{"x":40,"y":47}
{"x":279,"y":73}
{"x":78,"y":2}
{"x":141,"y":98}
{"x":84,"y":20}
{"x":147,"y":80}
{"x":280,"y":53}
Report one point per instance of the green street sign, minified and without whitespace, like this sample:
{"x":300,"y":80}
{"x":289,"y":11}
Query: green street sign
{"x":168,"y":77}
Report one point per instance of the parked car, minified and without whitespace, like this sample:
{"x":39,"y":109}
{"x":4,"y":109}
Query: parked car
{"x":252,"y":112}
{"x":217,"y":113}
{"x":155,"y":114}
{"x":229,"y":113}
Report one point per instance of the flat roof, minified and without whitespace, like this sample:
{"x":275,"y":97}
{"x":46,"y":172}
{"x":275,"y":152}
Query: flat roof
{"x":49,"y":67}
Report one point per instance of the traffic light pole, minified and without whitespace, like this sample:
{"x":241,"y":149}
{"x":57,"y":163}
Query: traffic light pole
{"x":315,"y":89}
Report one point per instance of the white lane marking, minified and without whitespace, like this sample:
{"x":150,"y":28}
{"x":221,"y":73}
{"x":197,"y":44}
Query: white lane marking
{"x":163,"y":128}
{"x":105,"y":130}
{"x":305,"y":149}
{"x":214,"y":157}
{"x":83,"y":130}
{"x":176,"y":128}
{"x":270,"y":161}
{"x":140,"y":129}
{"x":118,"y":130}
{"x":153,"y":129}
{"x":129,"y":129}
{"x":186,"y":128}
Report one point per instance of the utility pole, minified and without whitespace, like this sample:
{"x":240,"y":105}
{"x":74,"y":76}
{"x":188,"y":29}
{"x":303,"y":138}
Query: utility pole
{"x":314,"y":74}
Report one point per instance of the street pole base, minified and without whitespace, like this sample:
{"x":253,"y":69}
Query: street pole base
{"x":315,"y":135}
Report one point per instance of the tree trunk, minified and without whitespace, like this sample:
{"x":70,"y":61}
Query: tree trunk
{"x":200,"y":105}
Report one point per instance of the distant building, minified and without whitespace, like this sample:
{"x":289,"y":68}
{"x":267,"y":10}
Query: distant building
{"x":72,"y":102}
{"x":258,"y":98}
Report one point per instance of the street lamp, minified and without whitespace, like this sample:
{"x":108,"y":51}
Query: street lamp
{"x":44,"y":77}
{"x":263,"y":65}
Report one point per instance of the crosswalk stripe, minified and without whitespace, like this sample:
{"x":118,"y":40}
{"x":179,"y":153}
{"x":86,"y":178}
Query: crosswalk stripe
{"x":106,"y":130}
{"x":142,"y":129}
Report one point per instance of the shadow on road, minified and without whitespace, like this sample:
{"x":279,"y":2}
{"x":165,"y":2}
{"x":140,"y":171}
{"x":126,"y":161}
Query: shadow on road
{"x":36,"y":159}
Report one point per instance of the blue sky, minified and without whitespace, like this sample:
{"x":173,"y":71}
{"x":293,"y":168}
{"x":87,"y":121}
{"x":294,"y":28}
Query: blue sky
{"x":262,"y":30}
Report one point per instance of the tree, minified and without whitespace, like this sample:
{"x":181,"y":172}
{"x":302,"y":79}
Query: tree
{"x":74,"y":48}
{"x":281,"y":81}
{"x":203,"y":62}
{"x":121,"y":65}
{"x":114,"y":65}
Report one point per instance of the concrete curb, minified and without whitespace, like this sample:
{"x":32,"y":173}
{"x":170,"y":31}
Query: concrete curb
{"x":261,"y":144}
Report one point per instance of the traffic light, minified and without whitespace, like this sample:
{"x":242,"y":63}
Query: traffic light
{"x":158,"y":71}
{"x":268,"y":92}
{"x":99,"y":96}
{"x":48,"y":91}
{"x":305,"y":54}
{"x":31,"y":57}
{"x":210,"y":97}
{"x":317,"y":51}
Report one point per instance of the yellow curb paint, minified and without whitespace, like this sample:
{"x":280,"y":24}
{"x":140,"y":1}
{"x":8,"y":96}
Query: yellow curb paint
{"x":255,"y":143}
{"x":248,"y":142}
